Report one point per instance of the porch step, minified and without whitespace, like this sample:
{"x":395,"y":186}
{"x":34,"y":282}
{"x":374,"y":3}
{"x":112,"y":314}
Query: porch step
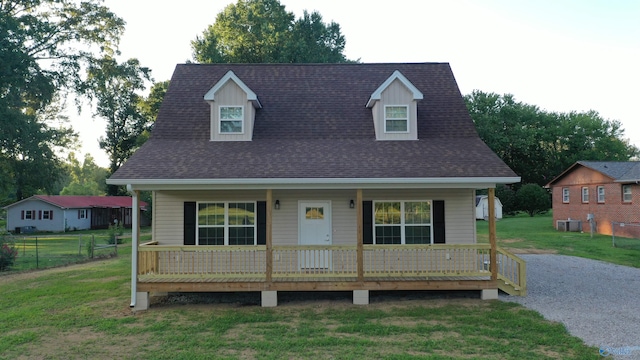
{"x":510,"y":288}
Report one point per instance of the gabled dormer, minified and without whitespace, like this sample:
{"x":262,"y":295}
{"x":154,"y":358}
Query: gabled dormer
{"x":233,"y":109}
{"x":394,"y":106}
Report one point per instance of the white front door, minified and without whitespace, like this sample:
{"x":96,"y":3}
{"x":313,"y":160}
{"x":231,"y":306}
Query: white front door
{"x":315,"y":230}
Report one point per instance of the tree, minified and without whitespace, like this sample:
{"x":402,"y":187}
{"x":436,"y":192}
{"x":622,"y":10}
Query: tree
{"x":39,"y":63}
{"x":149,"y":107}
{"x":114,"y":86}
{"x":86,"y":178}
{"x":508,"y":199}
{"x":533,"y":199}
{"x":538,"y":145}
{"x":262,"y":31}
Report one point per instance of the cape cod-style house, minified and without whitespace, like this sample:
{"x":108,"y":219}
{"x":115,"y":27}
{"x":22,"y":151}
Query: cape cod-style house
{"x":316,"y":177}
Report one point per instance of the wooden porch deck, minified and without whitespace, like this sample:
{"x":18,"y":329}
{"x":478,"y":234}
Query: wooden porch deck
{"x":326,"y":268}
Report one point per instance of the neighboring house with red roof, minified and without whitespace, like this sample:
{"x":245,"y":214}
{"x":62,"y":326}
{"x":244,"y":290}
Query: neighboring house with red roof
{"x":63,"y":213}
{"x":608,"y":190}
{"x":299,"y":177}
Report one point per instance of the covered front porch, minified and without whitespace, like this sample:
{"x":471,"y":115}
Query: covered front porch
{"x":360,"y":267}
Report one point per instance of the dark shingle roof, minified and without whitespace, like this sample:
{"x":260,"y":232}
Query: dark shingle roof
{"x":313,"y":124}
{"x":617,"y":170}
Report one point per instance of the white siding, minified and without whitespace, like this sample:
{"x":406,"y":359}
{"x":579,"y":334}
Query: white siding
{"x":231,"y":95}
{"x":459,"y":208}
{"x":62,"y":218}
{"x":395,"y":94}
{"x":285,"y":220}
{"x":168,"y":207}
{"x":168,"y":210}
{"x":14,"y":218}
{"x":74,"y":223}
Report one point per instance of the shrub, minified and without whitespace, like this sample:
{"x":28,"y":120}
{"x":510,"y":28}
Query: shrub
{"x":8,"y":254}
{"x":114,"y":232}
{"x":533,"y":199}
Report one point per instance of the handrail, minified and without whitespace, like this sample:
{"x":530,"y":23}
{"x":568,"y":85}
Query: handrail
{"x":512,"y":278}
{"x":331,"y":261}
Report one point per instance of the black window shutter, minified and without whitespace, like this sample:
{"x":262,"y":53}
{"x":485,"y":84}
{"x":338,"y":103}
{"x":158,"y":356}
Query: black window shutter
{"x":367,"y":222}
{"x":262,"y":222}
{"x":438,"y":222}
{"x":190,"y":223}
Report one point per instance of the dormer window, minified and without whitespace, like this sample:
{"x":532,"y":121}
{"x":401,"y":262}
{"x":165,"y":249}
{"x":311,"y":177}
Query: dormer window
{"x":231,"y":119}
{"x":233,"y":109}
{"x":394,"y":108}
{"x":396,"y":119}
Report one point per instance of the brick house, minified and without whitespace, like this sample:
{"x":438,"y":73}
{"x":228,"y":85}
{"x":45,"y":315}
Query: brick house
{"x":607,"y":189}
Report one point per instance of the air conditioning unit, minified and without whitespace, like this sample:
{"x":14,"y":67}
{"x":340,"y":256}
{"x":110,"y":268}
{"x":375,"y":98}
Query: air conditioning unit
{"x":569,"y":225}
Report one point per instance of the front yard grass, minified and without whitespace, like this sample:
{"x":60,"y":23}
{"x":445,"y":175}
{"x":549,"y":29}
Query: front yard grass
{"x":531,"y":234}
{"x":82,"y":311}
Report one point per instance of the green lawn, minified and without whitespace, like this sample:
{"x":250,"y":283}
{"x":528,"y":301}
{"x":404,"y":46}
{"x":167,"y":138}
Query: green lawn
{"x":523,"y":233}
{"x":82,"y":312}
{"x":46,"y":250}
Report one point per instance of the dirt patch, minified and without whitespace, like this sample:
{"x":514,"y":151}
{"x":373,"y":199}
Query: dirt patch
{"x":511,"y":241}
{"x":84,"y":343}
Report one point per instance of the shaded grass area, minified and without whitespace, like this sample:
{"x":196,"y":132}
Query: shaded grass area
{"x":528,"y":233}
{"x":82,"y":312}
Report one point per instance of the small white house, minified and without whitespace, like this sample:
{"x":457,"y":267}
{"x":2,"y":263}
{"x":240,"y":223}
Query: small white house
{"x":482,"y":207}
{"x":60,"y":213}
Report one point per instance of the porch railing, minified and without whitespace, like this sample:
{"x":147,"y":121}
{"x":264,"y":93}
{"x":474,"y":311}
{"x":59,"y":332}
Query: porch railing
{"x":512,"y":273}
{"x":318,"y":262}
{"x":199,"y":262}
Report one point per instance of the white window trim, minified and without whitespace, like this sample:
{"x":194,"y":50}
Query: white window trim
{"x":585,"y":195}
{"x":402,"y":223}
{"x":407,"y":119}
{"x":624,"y":194}
{"x":565,"y":195}
{"x":600,"y":199}
{"x":29,"y":215}
{"x":82,"y":214}
{"x":220,"y":120}
{"x":226,"y":221}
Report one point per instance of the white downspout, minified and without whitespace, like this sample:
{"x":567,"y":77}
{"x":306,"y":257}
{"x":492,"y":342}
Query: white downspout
{"x":134,"y":244}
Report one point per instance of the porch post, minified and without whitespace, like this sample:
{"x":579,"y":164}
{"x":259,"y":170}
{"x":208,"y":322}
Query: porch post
{"x":268,"y":241}
{"x":493,"y":257}
{"x":135,"y":232}
{"x":359,"y":235}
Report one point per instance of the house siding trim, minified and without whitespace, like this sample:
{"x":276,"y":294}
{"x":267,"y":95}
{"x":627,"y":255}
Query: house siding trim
{"x":313,"y":183}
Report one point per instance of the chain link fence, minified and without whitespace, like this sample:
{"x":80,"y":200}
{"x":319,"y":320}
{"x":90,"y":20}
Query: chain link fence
{"x":46,"y":251}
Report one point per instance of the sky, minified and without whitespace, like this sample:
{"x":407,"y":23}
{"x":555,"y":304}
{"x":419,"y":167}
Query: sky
{"x":560,"y":55}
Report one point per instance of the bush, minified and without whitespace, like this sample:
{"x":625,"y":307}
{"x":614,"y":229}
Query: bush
{"x":114,"y":232}
{"x":533,"y":199}
{"x":8,"y":254}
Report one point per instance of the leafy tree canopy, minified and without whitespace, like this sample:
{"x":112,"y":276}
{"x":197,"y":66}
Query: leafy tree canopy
{"x":533,"y":199}
{"x":538,"y":145}
{"x":262,"y":31}
{"x":114,"y":85}
{"x":86,"y":178}
{"x":149,"y":107}
{"x":40,"y":59}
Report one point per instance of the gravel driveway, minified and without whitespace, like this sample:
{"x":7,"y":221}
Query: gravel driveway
{"x":598,"y":302}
